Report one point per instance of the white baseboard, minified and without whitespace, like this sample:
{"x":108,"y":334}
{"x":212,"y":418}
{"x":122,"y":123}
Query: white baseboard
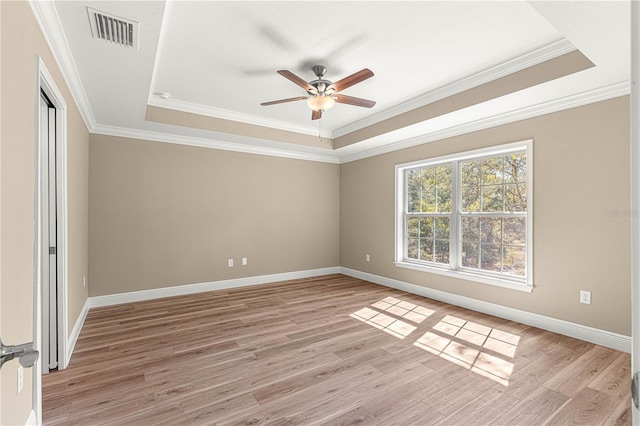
{"x":582,"y":332}
{"x":75,"y":332}
{"x":32,"y":419}
{"x":137,"y":296}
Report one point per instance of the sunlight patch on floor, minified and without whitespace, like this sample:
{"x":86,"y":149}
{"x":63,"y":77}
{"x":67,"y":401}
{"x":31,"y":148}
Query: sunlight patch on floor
{"x":407,"y":310}
{"x":481,"y":349}
{"x":457,"y":350}
{"x":395,"y":327}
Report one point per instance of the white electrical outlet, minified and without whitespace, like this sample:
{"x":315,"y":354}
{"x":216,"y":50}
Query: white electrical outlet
{"x":367,"y":258}
{"x":84,"y":281}
{"x":20,"y":379}
{"x":230,"y":263}
{"x":585,"y":297}
{"x":244,"y":261}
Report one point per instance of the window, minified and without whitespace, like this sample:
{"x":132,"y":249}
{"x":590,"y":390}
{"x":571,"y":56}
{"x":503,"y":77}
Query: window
{"x":468,"y":215}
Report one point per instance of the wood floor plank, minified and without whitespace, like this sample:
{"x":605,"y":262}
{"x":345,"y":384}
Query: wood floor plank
{"x":419,"y":414}
{"x":328,"y":350}
{"x":589,"y":406}
{"x":580,"y":373}
{"x":615,"y":380}
{"x":535,"y":408}
{"x":483,"y":410}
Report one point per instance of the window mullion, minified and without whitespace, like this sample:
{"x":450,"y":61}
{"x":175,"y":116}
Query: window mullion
{"x":454,"y":219}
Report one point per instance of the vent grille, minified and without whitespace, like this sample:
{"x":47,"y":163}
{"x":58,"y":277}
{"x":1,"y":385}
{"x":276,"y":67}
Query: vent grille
{"x":114,"y":29}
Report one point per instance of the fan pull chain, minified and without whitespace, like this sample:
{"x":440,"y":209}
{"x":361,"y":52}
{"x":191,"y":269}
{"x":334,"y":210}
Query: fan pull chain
{"x":320,"y":130}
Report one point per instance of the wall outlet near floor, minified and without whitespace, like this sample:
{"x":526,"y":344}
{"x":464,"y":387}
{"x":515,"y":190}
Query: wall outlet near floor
{"x":367,"y":258}
{"x":84,"y":281}
{"x":244,"y":261}
{"x":20,"y":379}
{"x":585,"y":297}
{"x":230,"y":263}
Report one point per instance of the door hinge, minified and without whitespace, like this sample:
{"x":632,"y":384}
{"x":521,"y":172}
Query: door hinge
{"x":52,"y":250}
{"x":635,"y":388}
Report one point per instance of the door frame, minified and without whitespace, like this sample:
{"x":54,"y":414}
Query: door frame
{"x":45,"y":82}
{"x":635,"y":196}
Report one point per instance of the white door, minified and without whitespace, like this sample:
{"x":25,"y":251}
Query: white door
{"x":49,"y":235}
{"x":635,"y":204}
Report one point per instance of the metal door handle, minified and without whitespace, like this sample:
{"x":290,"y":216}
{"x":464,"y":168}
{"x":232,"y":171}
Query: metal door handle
{"x":26,"y":354}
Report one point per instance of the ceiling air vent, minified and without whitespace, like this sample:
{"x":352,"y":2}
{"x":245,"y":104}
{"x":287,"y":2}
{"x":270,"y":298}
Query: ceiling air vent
{"x":112,"y":28}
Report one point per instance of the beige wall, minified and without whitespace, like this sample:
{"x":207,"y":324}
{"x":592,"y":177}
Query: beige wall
{"x":581,"y":171}
{"x":165,"y":215}
{"x":21,"y":40}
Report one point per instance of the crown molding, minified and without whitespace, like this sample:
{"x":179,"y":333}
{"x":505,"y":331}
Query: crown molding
{"x":534,"y":57}
{"x":49,"y":22}
{"x":236,"y":116}
{"x":211,"y":143}
{"x":601,"y":94}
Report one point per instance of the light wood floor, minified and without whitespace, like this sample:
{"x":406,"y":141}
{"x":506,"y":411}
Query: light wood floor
{"x":329,"y":350}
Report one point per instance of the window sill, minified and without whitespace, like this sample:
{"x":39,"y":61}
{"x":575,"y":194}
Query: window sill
{"x":463,"y":275}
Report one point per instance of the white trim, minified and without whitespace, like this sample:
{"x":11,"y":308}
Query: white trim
{"x":180,"y":290}
{"x":75,"y":332}
{"x":578,"y":331}
{"x":225,"y":114}
{"x":592,"y":96}
{"x":32,"y":419}
{"x":210,"y":143}
{"x":634,"y":204}
{"x":537,"y":56}
{"x":465,"y":275}
{"x":49,"y":21}
{"x":47,"y":83}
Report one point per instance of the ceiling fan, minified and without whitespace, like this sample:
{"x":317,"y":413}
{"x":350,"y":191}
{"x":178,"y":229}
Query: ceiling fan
{"x":323,"y":94}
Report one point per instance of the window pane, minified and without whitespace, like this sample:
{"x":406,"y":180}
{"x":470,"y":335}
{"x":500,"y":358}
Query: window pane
{"x":471,"y":199}
{"x":442,"y":228}
{"x":442,"y":251}
{"x":414,"y":180}
{"x":515,"y":197}
{"x":412,"y":248}
{"x":514,"y":260}
{"x":428,"y":176}
{"x":514,"y":231}
{"x":413,"y":227}
{"x":492,"y":173}
{"x":470,"y":173}
{"x":490,"y":230}
{"x":490,"y":257}
{"x":426,"y":227}
{"x":429,"y":199}
{"x":515,"y":168}
{"x":492,"y":198}
{"x":413,"y":202}
{"x":443,"y":197}
{"x":470,"y":229}
{"x":470,"y":254}
{"x":426,"y":250}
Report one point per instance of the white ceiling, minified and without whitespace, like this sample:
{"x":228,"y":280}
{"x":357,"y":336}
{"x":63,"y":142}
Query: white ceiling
{"x":220,"y":59}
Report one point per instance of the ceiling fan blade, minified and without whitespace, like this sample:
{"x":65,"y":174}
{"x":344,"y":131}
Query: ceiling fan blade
{"x":349,"y":81}
{"x":281,"y":101}
{"x":297,"y":80}
{"x":350,"y":100}
{"x":316,"y":115}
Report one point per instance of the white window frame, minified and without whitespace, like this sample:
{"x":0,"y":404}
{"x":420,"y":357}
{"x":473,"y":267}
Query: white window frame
{"x":454,"y":269}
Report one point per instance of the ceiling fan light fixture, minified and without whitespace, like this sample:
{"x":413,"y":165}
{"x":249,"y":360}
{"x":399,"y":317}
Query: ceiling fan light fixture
{"x":321,"y":102}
